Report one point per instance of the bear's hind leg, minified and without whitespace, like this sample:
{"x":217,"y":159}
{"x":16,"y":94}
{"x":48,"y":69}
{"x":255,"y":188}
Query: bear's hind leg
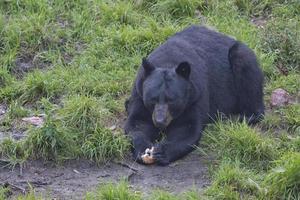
{"x":248,"y":81}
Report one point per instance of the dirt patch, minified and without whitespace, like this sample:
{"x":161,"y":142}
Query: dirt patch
{"x":17,"y":130}
{"x":27,"y":63}
{"x":75,"y":178}
{"x":260,"y":21}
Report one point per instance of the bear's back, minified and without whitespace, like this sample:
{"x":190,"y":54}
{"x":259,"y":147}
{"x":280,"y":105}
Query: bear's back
{"x":197,"y":45}
{"x":207,"y":52}
{"x":201,"y":36}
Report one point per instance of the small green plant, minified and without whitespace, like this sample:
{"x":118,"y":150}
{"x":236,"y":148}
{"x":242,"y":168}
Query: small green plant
{"x":238,"y":141}
{"x":223,"y":193}
{"x":30,"y":196}
{"x":271,"y":121}
{"x":51,"y":142}
{"x":283,"y":181}
{"x":3,"y":193}
{"x":178,"y":8}
{"x":291,"y":117}
{"x":10,"y":93}
{"x":254,"y":7}
{"x":120,"y":191}
{"x":38,"y":85}
{"x":13,"y":152}
{"x":15,"y":110}
{"x":286,"y":9}
{"x":281,"y":36}
{"x":102,"y":145}
{"x":120,"y":13}
{"x":5,"y":77}
{"x":286,"y":117}
{"x":231,"y":181}
{"x":84,"y":113}
{"x":193,"y":195}
{"x":289,"y":143}
{"x":100,"y":83}
{"x":290,"y":83}
{"x":163,"y":195}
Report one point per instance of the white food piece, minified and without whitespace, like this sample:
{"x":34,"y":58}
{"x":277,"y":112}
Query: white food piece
{"x":148,"y":157}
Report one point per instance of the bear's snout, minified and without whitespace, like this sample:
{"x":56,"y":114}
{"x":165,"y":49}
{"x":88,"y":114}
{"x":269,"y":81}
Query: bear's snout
{"x":161,"y":116}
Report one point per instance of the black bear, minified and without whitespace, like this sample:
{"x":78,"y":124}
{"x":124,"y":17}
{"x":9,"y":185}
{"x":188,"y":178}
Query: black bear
{"x":182,"y":85}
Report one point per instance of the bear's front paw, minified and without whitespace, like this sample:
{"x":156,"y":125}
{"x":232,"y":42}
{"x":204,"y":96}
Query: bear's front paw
{"x":160,"y":156}
{"x":147,"y":157}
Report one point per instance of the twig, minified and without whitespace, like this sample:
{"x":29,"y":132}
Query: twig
{"x":7,"y":184}
{"x":21,"y":169}
{"x":36,"y":183}
{"x":103,"y":175}
{"x":130,"y":176}
{"x":127,"y":166}
{"x":4,"y":161}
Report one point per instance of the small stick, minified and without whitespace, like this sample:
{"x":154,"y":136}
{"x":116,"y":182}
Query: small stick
{"x":130,"y":175}
{"x":36,"y":183}
{"x":4,"y":161}
{"x":128,"y":166}
{"x":7,"y":184}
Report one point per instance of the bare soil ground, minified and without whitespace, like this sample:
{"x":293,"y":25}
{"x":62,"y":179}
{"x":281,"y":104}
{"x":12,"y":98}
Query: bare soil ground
{"x":73,"y":179}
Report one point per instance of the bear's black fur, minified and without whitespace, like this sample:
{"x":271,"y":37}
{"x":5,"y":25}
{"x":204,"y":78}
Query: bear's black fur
{"x":183,"y":84}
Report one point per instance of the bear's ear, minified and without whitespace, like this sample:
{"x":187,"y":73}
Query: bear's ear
{"x":184,"y":70}
{"x":148,"y":67}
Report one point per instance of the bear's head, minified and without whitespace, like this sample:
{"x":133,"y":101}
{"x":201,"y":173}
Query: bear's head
{"x":165,"y":91}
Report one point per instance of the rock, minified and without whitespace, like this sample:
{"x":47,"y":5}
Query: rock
{"x":37,"y":121}
{"x":2,"y":109}
{"x":280,"y":98}
{"x":113,"y":127}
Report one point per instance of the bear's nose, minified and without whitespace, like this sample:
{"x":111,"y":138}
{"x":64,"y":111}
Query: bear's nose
{"x":160,"y":123}
{"x":161,"y":116}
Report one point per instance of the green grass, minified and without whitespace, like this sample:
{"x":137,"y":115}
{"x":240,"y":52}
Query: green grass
{"x":283,"y":36}
{"x":51,"y":142}
{"x":286,"y":118}
{"x":283,"y":182}
{"x":112,"y":191}
{"x":233,"y":182}
{"x":104,"y":145}
{"x":84,"y":113}
{"x":238,"y":142}
{"x":30,"y":196}
{"x":13,"y":152}
{"x":122,"y":191}
{"x":290,"y":83}
{"x":3,"y":193}
{"x":81,"y":58}
{"x":178,"y":8}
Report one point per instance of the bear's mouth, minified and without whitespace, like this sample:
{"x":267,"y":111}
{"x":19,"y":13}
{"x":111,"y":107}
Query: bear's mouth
{"x":161,"y":116}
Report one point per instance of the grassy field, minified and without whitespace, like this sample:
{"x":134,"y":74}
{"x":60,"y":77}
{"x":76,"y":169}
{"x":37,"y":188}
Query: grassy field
{"x":75,"y":61}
